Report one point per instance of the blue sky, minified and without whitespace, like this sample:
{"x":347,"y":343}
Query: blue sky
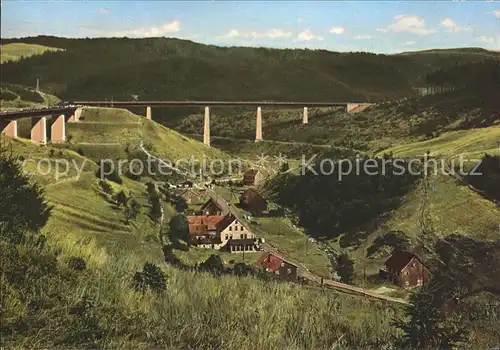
{"x":377,"y":26}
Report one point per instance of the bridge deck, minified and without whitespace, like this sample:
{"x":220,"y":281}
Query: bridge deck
{"x":210,"y":103}
{"x":74,"y":105}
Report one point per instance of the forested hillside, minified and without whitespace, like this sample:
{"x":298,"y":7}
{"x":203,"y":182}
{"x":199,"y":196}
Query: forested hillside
{"x":165,"y":68}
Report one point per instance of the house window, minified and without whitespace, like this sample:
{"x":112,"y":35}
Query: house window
{"x":242,"y":228}
{"x":241,"y":236}
{"x":245,"y":235}
{"x":406,"y":273}
{"x":420,"y":281}
{"x":231,"y":237}
{"x":230,"y":228}
{"x":289,"y":271}
{"x":407,"y":283}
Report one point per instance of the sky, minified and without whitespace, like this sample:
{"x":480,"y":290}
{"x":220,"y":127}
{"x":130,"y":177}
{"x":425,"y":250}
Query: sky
{"x":375,"y":26}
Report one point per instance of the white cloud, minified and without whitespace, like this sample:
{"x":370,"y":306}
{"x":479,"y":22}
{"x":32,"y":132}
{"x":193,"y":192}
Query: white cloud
{"x":407,"y":24}
{"x":409,"y":43}
{"x":167,"y":28}
{"x":485,"y":39}
{"x":451,"y":26}
{"x":233,"y":33}
{"x":496,"y":13}
{"x":337,"y":30}
{"x":300,"y":20}
{"x":363,"y":37}
{"x":273,"y":33}
{"x":306,"y":35}
{"x":103,"y":11}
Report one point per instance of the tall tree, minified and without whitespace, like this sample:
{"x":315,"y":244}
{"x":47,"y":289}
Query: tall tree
{"x":431,"y":322}
{"x":345,"y":268}
{"x":22,"y":204}
{"x":132,"y":210}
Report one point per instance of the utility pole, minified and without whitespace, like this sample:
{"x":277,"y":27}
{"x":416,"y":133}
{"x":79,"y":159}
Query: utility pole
{"x":37,"y":84}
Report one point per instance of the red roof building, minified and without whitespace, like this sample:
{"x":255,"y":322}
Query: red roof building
{"x":406,"y":270}
{"x":272,"y":262}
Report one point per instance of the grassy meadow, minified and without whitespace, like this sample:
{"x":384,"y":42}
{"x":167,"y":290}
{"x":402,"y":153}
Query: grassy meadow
{"x":16,"y":51}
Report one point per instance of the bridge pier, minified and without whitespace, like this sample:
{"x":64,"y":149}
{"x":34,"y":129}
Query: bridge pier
{"x":148,"y":112}
{"x":39,"y":130}
{"x":75,"y":117}
{"x":258,"y":126}
{"x":9,"y":128}
{"x":58,"y":130}
{"x":305,"y":118}
{"x":356,"y":107}
{"x":206,"y":127}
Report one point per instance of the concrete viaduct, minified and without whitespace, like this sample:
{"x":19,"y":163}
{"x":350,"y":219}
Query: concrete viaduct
{"x":65,"y":114}
{"x":72,"y":113}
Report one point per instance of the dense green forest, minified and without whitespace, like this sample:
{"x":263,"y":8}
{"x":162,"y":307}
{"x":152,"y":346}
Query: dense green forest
{"x":487,"y":176}
{"x":174,"y":69}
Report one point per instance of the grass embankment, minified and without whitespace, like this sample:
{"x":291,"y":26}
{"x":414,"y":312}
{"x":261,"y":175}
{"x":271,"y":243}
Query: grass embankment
{"x":196,"y":310}
{"x":103,"y":128}
{"x":81,"y":212}
{"x":293,"y":243}
{"x":17,"y":51}
{"x":451,"y":145}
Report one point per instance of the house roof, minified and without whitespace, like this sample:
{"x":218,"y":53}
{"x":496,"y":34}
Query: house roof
{"x":197,"y":229}
{"x":251,"y":195}
{"x":269,"y":261}
{"x":272,"y":261}
{"x":211,"y":201}
{"x":399,"y":260}
{"x":209,"y":222}
{"x":225,"y":222}
{"x":190,"y":192}
{"x":251,"y":172}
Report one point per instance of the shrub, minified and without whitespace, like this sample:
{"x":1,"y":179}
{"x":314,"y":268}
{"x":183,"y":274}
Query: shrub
{"x":151,"y":277}
{"x":7,"y":95}
{"x":214,"y":264}
{"x":108,"y":171}
{"x":121,"y":198}
{"x":106,"y":187}
{"x":77,"y":263}
{"x":242,"y":269}
{"x":132,"y":210}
